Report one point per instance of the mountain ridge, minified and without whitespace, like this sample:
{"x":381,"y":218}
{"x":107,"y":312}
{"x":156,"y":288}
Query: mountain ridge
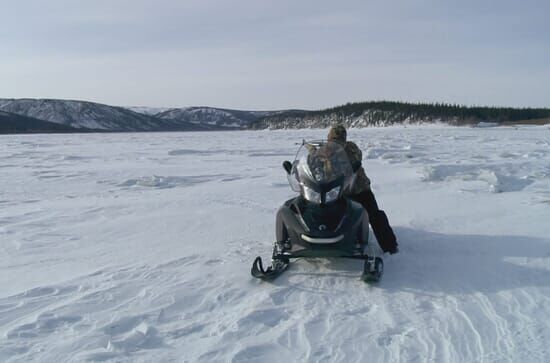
{"x":215,"y":116}
{"x":86,"y":115}
{"x":11,"y":123}
{"x":91,"y":115}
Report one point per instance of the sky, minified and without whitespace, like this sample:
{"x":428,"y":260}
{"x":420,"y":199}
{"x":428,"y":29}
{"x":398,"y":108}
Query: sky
{"x":265,"y":55}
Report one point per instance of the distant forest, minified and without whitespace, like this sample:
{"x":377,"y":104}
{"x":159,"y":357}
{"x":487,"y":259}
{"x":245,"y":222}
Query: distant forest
{"x":444,"y":110}
{"x":396,"y":112}
{"x":440,"y":110}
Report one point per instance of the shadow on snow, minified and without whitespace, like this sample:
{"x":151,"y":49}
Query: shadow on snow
{"x":450,"y":263}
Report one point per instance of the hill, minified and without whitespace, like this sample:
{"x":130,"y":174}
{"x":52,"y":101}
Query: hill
{"x":90,"y":115}
{"x":385,"y":113}
{"x":14,"y":124}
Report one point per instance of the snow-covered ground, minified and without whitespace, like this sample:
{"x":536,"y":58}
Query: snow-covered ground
{"x":137,"y":247}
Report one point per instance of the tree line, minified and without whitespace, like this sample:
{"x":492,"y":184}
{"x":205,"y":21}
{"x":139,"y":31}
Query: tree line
{"x":438,"y":110}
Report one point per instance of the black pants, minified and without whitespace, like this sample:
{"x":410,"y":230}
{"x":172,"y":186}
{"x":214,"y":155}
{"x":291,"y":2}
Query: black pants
{"x":378,"y":221}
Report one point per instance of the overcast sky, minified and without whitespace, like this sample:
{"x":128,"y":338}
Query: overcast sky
{"x":254,"y":54}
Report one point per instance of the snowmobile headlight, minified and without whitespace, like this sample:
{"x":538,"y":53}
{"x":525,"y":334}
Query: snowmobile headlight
{"x":311,"y":195}
{"x":332,"y":195}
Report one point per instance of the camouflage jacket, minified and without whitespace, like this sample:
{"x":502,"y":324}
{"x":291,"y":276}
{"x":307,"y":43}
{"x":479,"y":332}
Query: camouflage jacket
{"x":362,"y":182}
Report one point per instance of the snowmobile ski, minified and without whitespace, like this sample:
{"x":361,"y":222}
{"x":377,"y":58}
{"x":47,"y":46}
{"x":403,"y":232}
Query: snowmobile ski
{"x":278,"y":266}
{"x":373,"y":269}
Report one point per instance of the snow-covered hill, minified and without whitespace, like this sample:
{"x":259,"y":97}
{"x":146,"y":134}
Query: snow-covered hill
{"x":215,"y":116}
{"x":137,"y":248}
{"x":367,"y":118}
{"x":387,"y":113}
{"x":151,"y":111}
{"x":11,"y":123}
{"x":82,"y":114}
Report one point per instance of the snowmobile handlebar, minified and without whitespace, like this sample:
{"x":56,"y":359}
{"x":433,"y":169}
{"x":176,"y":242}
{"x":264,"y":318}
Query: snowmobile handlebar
{"x":287,"y":165}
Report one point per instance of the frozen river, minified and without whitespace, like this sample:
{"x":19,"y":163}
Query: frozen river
{"x":137,"y":247}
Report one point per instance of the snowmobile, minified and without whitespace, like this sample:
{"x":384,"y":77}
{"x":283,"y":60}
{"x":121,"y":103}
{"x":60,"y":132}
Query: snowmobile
{"x":321,"y":222}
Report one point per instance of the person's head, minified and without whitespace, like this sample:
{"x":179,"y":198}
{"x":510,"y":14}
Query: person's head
{"x":337,"y":133}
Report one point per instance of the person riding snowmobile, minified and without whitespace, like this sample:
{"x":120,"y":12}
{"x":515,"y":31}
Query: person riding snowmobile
{"x":361,"y":192}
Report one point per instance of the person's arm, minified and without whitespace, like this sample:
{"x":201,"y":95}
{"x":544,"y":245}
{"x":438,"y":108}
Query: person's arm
{"x":355,"y":155}
{"x":361,"y":181}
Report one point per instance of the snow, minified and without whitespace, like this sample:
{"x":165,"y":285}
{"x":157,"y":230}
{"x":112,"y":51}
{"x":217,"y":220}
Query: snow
{"x":487,"y":124}
{"x":137,"y":247}
{"x":151,"y":111}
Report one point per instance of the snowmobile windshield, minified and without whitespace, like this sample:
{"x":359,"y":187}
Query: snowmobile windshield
{"x":321,"y":171}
